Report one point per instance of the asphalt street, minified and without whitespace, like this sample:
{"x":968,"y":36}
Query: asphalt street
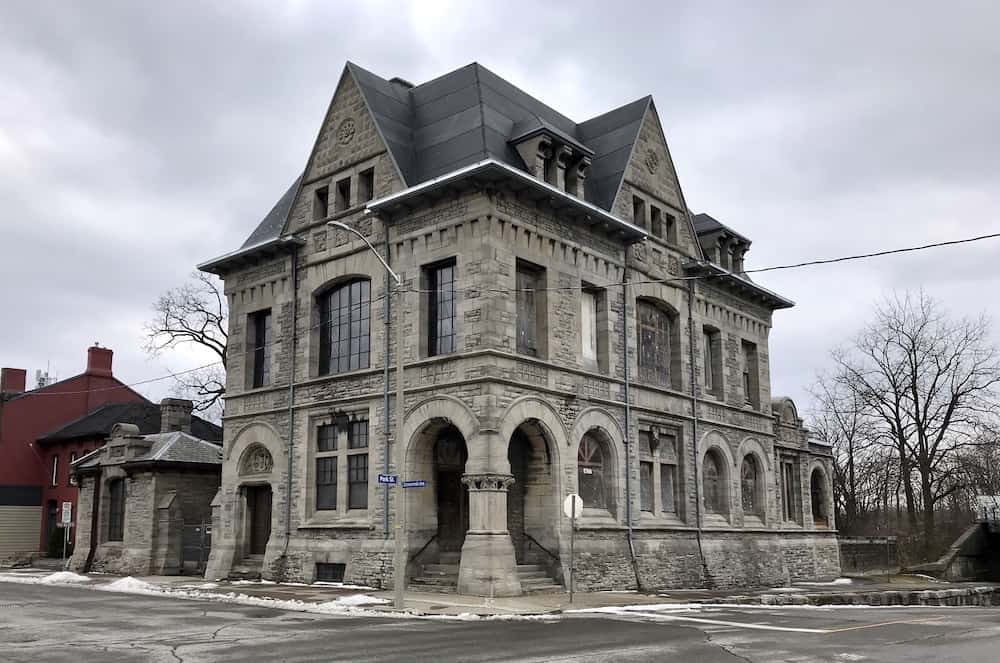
{"x":61,"y":623}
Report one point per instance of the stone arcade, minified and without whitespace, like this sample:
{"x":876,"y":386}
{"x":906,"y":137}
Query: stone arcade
{"x":534,"y":252}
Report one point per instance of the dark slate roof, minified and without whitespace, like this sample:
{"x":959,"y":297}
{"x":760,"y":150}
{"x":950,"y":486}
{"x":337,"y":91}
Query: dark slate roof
{"x":146,"y":416}
{"x":272,"y":226}
{"x":705,"y":224}
{"x":471,"y":114}
{"x":175,"y":447}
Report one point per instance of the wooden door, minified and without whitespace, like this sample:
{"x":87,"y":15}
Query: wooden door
{"x":258,"y":518}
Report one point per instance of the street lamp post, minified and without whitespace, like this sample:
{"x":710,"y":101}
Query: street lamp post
{"x":399,"y":550}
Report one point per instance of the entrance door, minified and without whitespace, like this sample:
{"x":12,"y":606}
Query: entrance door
{"x":452,"y":497}
{"x":258,"y":518}
{"x":518,"y":454}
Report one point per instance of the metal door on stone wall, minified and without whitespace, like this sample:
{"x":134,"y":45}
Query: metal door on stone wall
{"x":197,"y":543}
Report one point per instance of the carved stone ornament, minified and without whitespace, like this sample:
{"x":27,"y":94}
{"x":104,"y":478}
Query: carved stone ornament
{"x":345,"y":132}
{"x":488,"y":481}
{"x":652,"y":161}
{"x":257,"y":461}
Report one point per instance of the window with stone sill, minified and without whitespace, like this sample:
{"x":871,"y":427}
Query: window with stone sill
{"x":341,"y":465}
{"x":116,"y":510}
{"x":659,"y":487}
{"x":713,"y":477}
{"x":531,"y":309}
{"x":595,"y":480}
{"x":593,"y":322}
{"x":345,"y":328}
{"x":752,"y":487}
{"x":658,"y":344}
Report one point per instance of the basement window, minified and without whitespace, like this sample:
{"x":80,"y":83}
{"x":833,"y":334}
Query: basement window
{"x":366,"y":185}
{"x":327,"y":572}
{"x":321,"y":203}
{"x":343,"y":200}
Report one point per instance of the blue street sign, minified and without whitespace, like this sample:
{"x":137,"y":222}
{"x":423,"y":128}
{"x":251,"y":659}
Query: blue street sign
{"x":387,"y":478}
{"x":415,"y":483}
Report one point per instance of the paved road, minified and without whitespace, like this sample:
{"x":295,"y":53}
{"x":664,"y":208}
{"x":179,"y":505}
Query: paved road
{"x":58,"y":623}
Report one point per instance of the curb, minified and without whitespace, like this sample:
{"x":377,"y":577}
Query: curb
{"x":973,"y":596}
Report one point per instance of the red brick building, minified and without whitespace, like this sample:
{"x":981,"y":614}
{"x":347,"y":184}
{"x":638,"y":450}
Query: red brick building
{"x":24,"y":417}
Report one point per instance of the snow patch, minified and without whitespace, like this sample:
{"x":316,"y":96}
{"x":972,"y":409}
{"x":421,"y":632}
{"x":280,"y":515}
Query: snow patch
{"x":838,"y":581}
{"x":359,"y":599}
{"x":58,"y":578}
{"x":786,"y":589}
{"x":130,"y":585}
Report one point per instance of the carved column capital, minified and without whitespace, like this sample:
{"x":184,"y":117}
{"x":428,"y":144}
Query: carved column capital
{"x":488,"y":481}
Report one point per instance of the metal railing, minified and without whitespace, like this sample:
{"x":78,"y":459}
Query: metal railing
{"x":423,"y":548}
{"x":548,"y":552}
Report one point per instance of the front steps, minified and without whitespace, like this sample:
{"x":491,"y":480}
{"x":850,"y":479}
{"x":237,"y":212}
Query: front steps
{"x":249,"y":568}
{"x":443,"y":577}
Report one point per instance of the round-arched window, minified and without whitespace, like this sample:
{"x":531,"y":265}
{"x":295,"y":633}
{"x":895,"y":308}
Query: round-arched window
{"x":712,"y":483}
{"x":818,"y":493}
{"x":750,"y":484}
{"x":593,"y":465}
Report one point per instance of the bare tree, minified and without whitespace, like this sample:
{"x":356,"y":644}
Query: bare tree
{"x":194,"y":313}
{"x":929,"y":379}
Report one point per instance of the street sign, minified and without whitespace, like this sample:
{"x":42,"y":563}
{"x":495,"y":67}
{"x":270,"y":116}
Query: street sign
{"x":568,"y":506}
{"x":67,"y":513}
{"x":414,"y":483}
{"x":387,"y":479}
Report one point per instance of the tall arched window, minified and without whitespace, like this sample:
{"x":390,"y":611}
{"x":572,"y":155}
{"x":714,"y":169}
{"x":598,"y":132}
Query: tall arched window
{"x":750,"y":487}
{"x":594,"y":472}
{"x":713,"y":485}
{"x":116,"y":510}
{"x":818,"y":498}
{"x":654,"y":344}
{"x":345,"y":328}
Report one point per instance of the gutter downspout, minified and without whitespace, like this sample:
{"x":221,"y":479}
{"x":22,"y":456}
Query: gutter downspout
{"x":694,"y":433}
{"x":628,"y":429}
{"x":385,"y":382}
{"x":291,"y":398}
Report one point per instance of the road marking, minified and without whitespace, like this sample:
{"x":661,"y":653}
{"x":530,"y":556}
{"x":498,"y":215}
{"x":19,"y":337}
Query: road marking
{"x":787,"y":629}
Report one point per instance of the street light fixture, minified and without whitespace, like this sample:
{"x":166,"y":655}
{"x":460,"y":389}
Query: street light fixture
{"x":399,"y":552}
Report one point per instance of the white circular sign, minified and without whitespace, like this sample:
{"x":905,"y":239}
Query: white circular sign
{"x":573,"y":501}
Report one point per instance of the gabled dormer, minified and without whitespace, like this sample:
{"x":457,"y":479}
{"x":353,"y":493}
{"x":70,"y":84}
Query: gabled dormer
{"x":721,"y":244}
{"x":552,"y":156}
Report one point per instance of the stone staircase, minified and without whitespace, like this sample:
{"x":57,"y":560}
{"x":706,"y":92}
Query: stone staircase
{"x":443,"y":577}
{"x":535,"y":580}
{"x":248,"y":568}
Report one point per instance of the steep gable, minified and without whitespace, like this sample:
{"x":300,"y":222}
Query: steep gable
{"x":650,"y":172}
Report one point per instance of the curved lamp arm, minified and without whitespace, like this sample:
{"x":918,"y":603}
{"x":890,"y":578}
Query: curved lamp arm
{"x":344,"y":226}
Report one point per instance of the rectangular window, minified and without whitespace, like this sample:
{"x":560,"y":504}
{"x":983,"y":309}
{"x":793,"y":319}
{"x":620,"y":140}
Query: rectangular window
{"x":638,"y":211}
{"x":708,"y":363}
{"x":357,"y":481}
{"x":116,"y":509}
{"x":260,"y":350}
{"x":588,"y":325}
{"x":55,"y":470}
{"x":751,"y":374}
{"x":357,"y":434}
{"x":343,"y":192}
{"x":646,"y":486}
{"x":70,"y":479}
{"x":712,"y":361}
{"x":321,"y":203}
{"x":669,"y":227}
{"x":788,"y":491}
{"x":326,"y":483}
{"x":530,"y":308}
{"x":668,"y":487}
{"x":366,"y":185}
{"x":327,"y":572}
{"x":326,"y":438}
{"x":345,"y":328}
{"x":655,"y":221}
{"x":441,"y":310}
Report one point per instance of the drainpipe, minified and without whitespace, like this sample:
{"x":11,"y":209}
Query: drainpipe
{"x":694,"y":431}
{"x":628,"y":430}
{"x":386,"y":307}
{"x":291,"y":397}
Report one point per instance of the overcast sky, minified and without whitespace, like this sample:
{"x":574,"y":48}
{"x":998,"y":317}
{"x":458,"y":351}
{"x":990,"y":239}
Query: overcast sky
{"x":139,"y":138}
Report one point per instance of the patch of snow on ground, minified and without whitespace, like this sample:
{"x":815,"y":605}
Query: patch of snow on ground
{"x":130,"y":585}
{"x":786,"y":589}
{"x":359,"y":599}
{"x":64,"y":578}
{"x":341,"y":585}
{"x":838,"y":581}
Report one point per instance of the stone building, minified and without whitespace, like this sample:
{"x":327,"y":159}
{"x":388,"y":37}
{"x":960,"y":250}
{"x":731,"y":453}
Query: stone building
{"x":138,"y":492}
{"x":567,"y":326}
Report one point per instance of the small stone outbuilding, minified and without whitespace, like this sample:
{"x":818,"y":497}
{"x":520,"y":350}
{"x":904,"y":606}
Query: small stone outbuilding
{"x":139,"y":492}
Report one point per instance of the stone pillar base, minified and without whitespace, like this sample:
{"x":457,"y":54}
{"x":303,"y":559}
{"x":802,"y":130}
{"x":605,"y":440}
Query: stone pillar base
{"x":488,"y":567}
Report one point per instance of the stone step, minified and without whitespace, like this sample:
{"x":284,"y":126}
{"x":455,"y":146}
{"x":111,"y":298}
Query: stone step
{"x":533,"y":575}
{"x":449,"y":558}
{"x":540,"y":589}
{"x":530,"y":567}
{"x":441,"y":568}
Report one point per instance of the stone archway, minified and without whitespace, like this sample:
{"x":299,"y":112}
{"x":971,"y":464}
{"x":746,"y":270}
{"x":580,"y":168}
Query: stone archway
{"x":532,"y":520}
{"x":451,"y":498}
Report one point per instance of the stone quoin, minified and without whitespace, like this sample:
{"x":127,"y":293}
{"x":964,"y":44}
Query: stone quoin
{"x":551,"y":271}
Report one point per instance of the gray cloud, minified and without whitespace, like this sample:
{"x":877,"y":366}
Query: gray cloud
{"x":138,"y":139}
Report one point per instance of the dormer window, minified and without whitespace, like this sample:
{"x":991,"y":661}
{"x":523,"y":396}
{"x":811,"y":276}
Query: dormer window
{"x":553,"y":156}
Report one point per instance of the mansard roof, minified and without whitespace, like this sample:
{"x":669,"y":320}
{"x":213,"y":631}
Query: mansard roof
{"x":471,"y":115}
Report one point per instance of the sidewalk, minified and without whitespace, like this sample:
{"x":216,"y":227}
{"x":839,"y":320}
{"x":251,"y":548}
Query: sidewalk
{"x":338,"y":598}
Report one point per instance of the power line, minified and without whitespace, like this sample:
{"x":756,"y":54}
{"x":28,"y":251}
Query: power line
{"x":678,"y":279}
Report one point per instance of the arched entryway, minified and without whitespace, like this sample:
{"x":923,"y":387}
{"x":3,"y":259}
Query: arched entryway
{"x":531,"y":500}
{"x":451,"y":497}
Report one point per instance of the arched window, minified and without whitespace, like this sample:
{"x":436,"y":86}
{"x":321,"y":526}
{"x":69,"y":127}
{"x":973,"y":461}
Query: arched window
{"x":659,"y":345}
{"x":818,"y":498}
{"x":593,"y":472}
{"x":750,"y":486}
{"x":116,"y":510}
{"x":345,"y":328}
{"x":713,"y":483}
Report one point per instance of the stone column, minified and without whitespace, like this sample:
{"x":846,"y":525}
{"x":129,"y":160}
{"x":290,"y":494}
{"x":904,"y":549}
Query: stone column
{"x":488,"y":566}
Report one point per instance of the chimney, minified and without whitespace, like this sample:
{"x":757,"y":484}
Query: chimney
{"x":175,"y":415}
{"x":12,"y":380}
{"x":99,"y":361}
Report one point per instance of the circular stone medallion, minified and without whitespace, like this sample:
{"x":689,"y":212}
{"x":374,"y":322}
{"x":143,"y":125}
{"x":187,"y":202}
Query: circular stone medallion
{"x":652,"y":161}
{"x":345,"y":132}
